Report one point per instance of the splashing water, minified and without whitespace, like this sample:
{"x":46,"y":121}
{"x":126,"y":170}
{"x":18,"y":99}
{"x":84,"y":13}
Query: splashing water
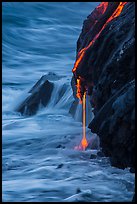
{"x":38,"y":159}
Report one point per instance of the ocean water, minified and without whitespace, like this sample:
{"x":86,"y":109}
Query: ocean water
{"x":39,"y":162}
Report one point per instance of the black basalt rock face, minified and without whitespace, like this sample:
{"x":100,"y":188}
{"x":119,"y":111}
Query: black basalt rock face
{"x":115,"y":124}
{"x":109,"y":64}
{"x":40,"y":93}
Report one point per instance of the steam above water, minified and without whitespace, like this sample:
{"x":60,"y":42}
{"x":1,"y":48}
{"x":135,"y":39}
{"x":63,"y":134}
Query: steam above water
{"x":39,"y":160}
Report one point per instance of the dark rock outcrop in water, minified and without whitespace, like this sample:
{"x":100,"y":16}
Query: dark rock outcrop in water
{"x":108,"y":70}
{"x":40,"y":93}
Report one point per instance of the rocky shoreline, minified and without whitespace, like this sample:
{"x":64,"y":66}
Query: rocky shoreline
{"x":107,"y":69}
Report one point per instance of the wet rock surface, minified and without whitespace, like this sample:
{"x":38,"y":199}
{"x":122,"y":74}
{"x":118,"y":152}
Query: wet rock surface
{"x":108,"y":68}
{"x":39,"y":94}
{"x":115,"y":125}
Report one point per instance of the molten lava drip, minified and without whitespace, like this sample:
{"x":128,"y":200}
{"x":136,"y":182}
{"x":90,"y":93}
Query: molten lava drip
{"x":81,"y":89}
{"x":84,"y":142}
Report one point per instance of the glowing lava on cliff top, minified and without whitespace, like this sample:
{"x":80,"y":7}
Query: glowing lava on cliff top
{"x":103,"y":7}
{"x":81,"y":90}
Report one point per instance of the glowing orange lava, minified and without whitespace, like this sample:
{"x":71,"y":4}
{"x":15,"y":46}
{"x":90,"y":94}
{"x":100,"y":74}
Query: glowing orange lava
{"x":84,"y":142}
{"x":82,"y":97}
{"x":115,"y":14}
{"x":102,"y":7}
{"x":79,"y":91}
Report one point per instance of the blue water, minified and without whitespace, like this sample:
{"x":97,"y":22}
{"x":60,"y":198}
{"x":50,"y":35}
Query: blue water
{"x":38,"y":39}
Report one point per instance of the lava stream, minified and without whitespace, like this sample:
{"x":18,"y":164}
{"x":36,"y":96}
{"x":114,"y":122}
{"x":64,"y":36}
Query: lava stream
{"x":82,"y":52}
{"x":84,"y":142}
{"x":79,"y":84}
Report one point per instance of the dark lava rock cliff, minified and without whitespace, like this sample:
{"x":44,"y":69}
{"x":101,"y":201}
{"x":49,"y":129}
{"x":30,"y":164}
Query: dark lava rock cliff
{"x":107,"y":69}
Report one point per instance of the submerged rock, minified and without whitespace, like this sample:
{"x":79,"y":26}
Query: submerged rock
{"x":60,"y":166}
{"x":100,"y":154}
{"x":39,"y":94}
{"x":93,"y":156}
{"x":60,"y":146}
{"x":78,"y":190}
